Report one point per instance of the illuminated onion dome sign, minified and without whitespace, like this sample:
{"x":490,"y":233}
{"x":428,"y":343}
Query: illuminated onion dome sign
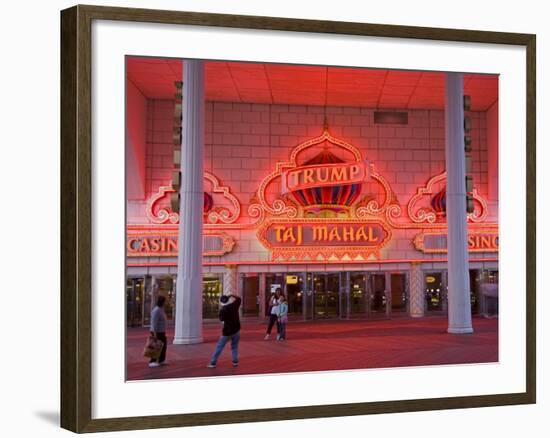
{"x":439,"y":202}
{"x":208,"y":203}
{"x":310,"y":207}
{"x":325,"y":182}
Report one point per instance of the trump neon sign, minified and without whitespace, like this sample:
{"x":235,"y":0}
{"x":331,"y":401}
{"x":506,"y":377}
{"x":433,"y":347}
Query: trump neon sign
{"x":324,"y":175}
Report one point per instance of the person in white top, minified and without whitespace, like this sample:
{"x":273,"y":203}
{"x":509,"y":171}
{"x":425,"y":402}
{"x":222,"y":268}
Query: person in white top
{"x":274,"y":303}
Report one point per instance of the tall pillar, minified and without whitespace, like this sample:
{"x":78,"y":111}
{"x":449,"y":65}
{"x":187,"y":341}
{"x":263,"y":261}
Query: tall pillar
{"x":416,"y":291}
{"x":348,"y":295}
{"x":261,"y":295}
{"x":459,"y":310}
{"x":387,"y":293}
{"x":230,"y":280}
{"x":305,"y":288}
{"x":188,"y":328}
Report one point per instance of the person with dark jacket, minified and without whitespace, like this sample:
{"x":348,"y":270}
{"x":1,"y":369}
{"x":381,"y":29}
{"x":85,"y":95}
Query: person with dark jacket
{"x":274,"y":313}
{"x":229,"y":315}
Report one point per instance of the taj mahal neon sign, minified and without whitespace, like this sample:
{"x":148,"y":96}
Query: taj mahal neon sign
{"x":310,"y":207}
{"x":328,"y":233}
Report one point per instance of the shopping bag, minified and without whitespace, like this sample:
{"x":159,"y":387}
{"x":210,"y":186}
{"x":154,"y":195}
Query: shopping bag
{"x":153,"y":347}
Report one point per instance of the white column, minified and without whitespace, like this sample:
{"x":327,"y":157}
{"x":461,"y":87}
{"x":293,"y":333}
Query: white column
{"x":189,"y":284}
{"x":416,"y":291}
{"x":387,"y":293}
{"x":460,"y":314}
{"x":230,"y":280}
{"x":261,"y":293}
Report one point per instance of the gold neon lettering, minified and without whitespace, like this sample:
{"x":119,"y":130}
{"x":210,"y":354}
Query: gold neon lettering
{"x":354,"y":171}
{"x":294,"y":176}
{"x":154,"y":245}
{"x":172,"y":245}
{"x":334,"y":235}
{"x":278,"y":230}
{"x":494,"y":241}
{"x":339,"y":173}
{"x":144,"y":246}
{"x":361,"y":235}
{"x":320,"y":233}
{"x":372,"y":237}
{"x":130,"y":245}
{"x":289,"y":235}
{"x":485,"y":242}
{"x":299,"y":234}
{"x":308,"y":176}
{"x":326,"y":175}
{"x":471,"y":242}
{"x":348,"y":233}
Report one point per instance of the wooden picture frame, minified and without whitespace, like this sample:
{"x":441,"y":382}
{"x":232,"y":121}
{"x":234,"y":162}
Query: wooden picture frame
{"x":76,"y":222}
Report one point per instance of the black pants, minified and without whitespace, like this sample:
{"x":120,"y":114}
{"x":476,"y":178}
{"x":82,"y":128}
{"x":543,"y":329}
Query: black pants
{"x":161,"y":336}
{"x":272,"y":320}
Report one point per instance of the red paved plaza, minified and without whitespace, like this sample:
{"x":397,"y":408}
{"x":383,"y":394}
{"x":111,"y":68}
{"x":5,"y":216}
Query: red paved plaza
{"x":321,"y":346}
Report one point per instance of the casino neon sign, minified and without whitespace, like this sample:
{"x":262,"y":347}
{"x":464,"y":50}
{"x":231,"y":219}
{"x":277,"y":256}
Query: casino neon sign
{"x":435,"y":242}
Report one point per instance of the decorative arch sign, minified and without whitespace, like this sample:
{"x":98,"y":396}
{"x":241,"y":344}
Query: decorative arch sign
{"x":318,"y":212}
{"x":321,"y":239}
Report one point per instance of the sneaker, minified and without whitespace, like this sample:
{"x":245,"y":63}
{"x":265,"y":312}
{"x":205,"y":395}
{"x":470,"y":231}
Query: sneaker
{"x":211,"y":365}
{"x":153,"y":364}
{"x":278,"y":337}
{"x":266,"y":337}
{"x":235,"y":364}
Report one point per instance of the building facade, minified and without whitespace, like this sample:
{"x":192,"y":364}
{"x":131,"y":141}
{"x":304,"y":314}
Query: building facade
{"x":342,"y":207}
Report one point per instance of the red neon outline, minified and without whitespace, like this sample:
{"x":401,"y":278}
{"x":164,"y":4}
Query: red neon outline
{"x":313,"y":262}
{"x":215,"y":216}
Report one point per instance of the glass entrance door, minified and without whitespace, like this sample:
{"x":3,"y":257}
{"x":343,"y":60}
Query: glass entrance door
{"x":399,"y":296}
{"x":212,"y":288}
{"x":377,"y":301}
{"x":166,"y":286}
{"x":326,"y":296}
{"x":251,"y":294}
{"x":272,"y":283}
{"x":434,"y":292}
{"x":358,"y":295}
{"x":294,"y":288}
{"x":134,"y":302}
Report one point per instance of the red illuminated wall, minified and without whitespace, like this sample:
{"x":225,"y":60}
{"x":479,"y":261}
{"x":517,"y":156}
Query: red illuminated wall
{"x":244,"y":141}
{"x":136,"y":142}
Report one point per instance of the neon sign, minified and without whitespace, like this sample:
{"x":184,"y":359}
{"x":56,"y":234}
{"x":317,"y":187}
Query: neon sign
{"x":216,"y":213}
{"x":328,"y":233}
{"x":156,"y":242}
{"x":324,"y":239}
{"x":436,"y":241}
{"x":145,"y":246}
{"x":325,"y":175}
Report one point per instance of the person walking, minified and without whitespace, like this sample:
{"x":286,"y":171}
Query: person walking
{"x":283,"y":317}
{"x":274,"y":313}
{"x":158,"y":330}
{"x":229,"y":315}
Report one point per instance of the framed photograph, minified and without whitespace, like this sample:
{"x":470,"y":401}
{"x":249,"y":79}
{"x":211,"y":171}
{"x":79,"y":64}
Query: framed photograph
{"x":313,"y":218}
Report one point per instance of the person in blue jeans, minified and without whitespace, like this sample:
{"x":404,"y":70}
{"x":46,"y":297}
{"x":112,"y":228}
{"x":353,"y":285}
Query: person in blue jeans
{"x":283,"y":317}
{"x":158,"y":330}
{"x":229,"y":315}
